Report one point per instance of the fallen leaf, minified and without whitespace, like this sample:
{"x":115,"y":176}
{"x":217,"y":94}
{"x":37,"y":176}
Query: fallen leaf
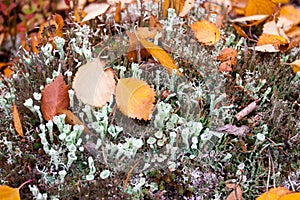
{"x":236,"y":194}
{"x":46,"y":31}
{"x":165,"y":6}
{"x":291,"y":13}
{"x":17,"y":120}
{"x":93,"y":85}
{"x":94,"y":9}
{"x":274,"y":194}
{"x":292,"y":196}
{"x":9,"y":193}
{"x":296,"y":66}
{"x":4,"y":69}
{"x":161,"y":56}
{"x":72,"y":119}
{"x":146,"y":32}
{"x":234,"y":130}
{"x":225,"y":66}
{"x":118,"y":15}
{"x":228,"y":54}
{"x":265,"y":48}
{"x":206,"y":32}
{"x":154,"y":23}
{"x":275,"y":40}
{"x":257,"y":7}
{"x":188,"y":5}
{"x":54,"y":97}
{"x":280,"y":1}
{"x":134,"y":48}
{"x":135,"y":98}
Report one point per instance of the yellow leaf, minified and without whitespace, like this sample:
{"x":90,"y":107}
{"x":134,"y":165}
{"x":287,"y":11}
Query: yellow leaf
{"x":296,"y":66}
{"x":17,"y":120}
{"x":257,"y":7}
{"x":271,"y":39}
{"x":135,"y":98}
{"x":165,"y":6}
{"x":274,"y":194}
{"x":93,"y":85}
{"x":159,"y":54}
{"x":291,"y":13}
{"x":280,"y":1}
{"x":9,"y":193}
{"x":293,"y":196}
{"x":206,"y":32}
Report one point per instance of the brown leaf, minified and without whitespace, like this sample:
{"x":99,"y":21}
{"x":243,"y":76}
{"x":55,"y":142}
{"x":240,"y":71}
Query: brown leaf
{"x":134,"y":48}
{"x":17,"y":120}
{"x":135,"y":98}
{"x":118,"y":15}
{"x":55,"y":97}
{"x":188,"y":5}
{"x":236,"y":194}
{"x":93,"y":85}
{"x":4,"y":68}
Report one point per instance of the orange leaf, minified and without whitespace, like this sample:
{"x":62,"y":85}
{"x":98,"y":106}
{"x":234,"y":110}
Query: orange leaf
{"x":154,"y":23}
{"x":163,"y":57}
{"x":132,"y":49}
{"x":118,"y":13}
{"x":296,"y":66}
{"x":4,"y":68}
{"x":55,"y":97}
{"x":291,"y":13}
{"x":135,"y":98}
{"x":94,"y":9}
{"x":293,"y":196}
{"x":238,"y":191}
{"x":93,"y":85}
{"x":165,"y":6}
{"x":274,"y":194}
{"x":206,"y":32}
{"x":257,"y":7}
{"x":9,"y":193}
{"x":17,"y":120}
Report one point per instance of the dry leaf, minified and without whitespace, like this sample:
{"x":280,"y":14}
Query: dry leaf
{"x":54,"y":97}
{"x":257,"y":7}
{"x":265,"y":48}
{"x":291,"y":13}
{"x":225,"y":66}
{"x":206,"y":32}
{"x":118,"y":15}
{"x":93,"y":85}
{"x":228,"y":54}
{"x":135,"y":98}
{"x":275,"y":40}
{"x":161,"y":56}
{"x":146,"y":32}
{"x":165,"y":6}
{"x":94,"y":9}
{"x":9,"y":193}
{"x":4,"y":69}
{"x":154,"y":23}
{"x":72,"y":119}
{"x":296,"y":66}
{"x":293,"y":196}
{"x":236,"y":194}
{"x":17,"y":120}
{"x":135,"y":45}
{"x":280,"y":1}
{"x":46,"y":28}
{"x":188,"y":5}
{"x":274,"y":194}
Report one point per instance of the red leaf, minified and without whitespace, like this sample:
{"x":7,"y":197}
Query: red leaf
{"x":55,"y":97}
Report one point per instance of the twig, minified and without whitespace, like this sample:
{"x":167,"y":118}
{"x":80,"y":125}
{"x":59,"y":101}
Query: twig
{"x":129,"y":174}
{"x":248,"y":109}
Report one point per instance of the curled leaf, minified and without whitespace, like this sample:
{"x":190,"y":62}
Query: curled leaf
{"x":163,"y":57}
{"x":17,"y":120}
